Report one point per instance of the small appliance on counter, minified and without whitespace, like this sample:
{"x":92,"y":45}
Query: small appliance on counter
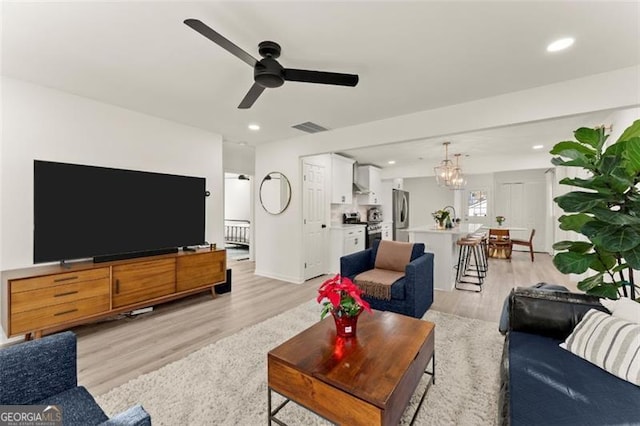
{"x":374,"y":214}
{"x":351,"y":218}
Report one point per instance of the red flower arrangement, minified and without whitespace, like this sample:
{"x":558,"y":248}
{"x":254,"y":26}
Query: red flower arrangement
{"x":344,"y":298}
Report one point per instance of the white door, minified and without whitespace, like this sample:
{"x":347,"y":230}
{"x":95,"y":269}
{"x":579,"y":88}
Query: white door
{"x":524,"y":205}
{"x":314,"y":215}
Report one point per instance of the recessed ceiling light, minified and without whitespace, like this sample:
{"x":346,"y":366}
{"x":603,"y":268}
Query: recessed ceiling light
{"x":537,"y":146}
{"x":254,"y":127}
{"x":391,"y":161}
{"x":561,"y":44}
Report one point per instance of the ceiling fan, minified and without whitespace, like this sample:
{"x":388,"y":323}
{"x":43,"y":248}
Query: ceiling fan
{"x":267,"y":72}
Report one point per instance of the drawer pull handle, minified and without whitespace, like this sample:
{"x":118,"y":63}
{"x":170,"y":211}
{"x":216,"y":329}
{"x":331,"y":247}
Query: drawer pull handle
{"x":65,"y":312}
{"x":68,"y":293}
{"x":57,"y":280}
{"x":117,"y":286}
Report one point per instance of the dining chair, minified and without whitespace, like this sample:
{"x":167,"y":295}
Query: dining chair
{"x":526,"y":243}
{"x":499,"y":243}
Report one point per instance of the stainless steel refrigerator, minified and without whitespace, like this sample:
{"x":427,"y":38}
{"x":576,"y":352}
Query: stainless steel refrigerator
{"x":400,"y":215}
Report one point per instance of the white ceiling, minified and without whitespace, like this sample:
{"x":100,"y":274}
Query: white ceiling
{"x":511,"y":141}
{"x":410,"y":56}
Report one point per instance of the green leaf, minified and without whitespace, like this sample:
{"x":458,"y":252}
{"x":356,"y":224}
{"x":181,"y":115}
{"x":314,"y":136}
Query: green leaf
{"x":572,"y":150}
{"x":631,"y":131}
{"x":608,"y":290}
{"x":616,"y":149}
{"x":621,"y":179}
{"x":580,"y":162}
{"x":603,"y":262}
{"x":579,"y":201}
{"x":632,"y":257}
{"x":592,"y":137}
{"x":573,"y":222}
{"x":325,"y":310}
{"x":616,"y":238}
{"x":620,"y":267}
{"x":575,"y":246}
{"x":614,"y":217}
{"x":593,"y":228}
{"x":571,"y":262}
{"x":596,"y":183}
{"x":591,"y":282}
{"x":632,"y":155}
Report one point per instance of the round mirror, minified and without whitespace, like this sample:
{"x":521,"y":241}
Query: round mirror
{"x":275,"y":193}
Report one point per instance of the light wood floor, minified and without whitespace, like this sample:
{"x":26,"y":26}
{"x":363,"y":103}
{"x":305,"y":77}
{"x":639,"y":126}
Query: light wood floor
{"x":112,"y":352}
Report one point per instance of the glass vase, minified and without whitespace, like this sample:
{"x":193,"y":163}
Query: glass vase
{"x":346,"y":325}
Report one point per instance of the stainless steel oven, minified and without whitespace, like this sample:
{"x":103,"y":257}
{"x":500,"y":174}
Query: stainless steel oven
{"x":374,"y":232}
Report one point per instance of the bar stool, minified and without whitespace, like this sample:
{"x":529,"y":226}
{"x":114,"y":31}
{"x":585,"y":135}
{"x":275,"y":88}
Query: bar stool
{"x":483,"y":255}
{"x":468,"y":272}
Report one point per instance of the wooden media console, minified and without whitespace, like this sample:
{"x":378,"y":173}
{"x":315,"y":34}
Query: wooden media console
{"x":48,"y":298}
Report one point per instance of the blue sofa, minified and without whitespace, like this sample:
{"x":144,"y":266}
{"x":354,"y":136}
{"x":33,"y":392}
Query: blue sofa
{"x":43,"y":372}
{"x":543,"y":384}
{"x":411,"y":295}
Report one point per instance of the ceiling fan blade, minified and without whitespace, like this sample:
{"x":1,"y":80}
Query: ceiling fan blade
{"x":220,"y":40}
{"x":320,"y":77}
{"x":251,"y":96}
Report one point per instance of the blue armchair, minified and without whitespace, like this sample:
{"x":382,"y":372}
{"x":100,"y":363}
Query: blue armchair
{"x":43,"y":372}
{"x":411,"y":295}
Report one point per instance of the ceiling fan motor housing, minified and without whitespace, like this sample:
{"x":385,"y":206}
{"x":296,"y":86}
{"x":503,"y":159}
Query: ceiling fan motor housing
{"x":268,"y":73}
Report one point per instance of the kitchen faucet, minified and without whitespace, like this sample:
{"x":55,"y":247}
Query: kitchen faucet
{"x":453,"y":218}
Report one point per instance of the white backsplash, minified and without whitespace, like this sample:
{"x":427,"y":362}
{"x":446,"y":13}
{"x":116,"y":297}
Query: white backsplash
{"x":338,"y":209}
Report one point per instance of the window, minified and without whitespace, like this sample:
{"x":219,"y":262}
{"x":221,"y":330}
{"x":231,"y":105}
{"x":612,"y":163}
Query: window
{"x":477,"y":203}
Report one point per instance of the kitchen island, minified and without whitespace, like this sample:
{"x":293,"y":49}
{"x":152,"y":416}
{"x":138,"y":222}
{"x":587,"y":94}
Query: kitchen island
{"x":442,"y":243}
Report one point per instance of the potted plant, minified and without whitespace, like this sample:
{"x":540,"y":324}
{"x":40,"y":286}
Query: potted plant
{"x":440,"y":216}
{"x":500,"y":220}
{"x":605,"y":209}
{"x":344,"y":303}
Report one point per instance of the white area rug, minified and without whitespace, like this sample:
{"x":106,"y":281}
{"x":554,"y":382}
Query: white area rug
{"x":225,"y":382}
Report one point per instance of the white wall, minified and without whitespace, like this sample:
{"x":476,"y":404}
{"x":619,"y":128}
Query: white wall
{"x":237,"y":198}
{"x":239,"y":158}
{"x":425,"y":197}
{"x":45,"y":124}
{"x":279,"y":238}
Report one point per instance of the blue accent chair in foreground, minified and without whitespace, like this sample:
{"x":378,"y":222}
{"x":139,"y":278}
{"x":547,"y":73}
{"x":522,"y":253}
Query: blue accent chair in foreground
{"x":44,"y":372}
{"x":411,"y":295}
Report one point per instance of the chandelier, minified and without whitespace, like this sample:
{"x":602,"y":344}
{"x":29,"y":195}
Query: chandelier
{"x":448,"y":175}
{"x":458,"y":181}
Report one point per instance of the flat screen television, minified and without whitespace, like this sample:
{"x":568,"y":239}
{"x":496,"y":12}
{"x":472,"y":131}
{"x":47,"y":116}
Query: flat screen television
{"x":85,"y":211}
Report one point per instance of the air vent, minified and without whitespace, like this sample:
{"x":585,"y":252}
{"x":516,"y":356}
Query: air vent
{"x":310,"y":127}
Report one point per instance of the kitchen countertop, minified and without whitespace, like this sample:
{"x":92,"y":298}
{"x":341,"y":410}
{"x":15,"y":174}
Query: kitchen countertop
{"x":346,"y":225}
{"x":463,"y":228}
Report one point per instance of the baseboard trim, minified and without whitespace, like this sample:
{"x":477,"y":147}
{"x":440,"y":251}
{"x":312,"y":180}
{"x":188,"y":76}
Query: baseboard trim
{"x":293,"y":280}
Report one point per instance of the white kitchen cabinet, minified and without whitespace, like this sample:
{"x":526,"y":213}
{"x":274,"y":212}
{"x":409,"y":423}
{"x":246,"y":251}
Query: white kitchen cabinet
{"x":387,"y":231}
{"x":341,"y":179}
{"x":345,"y":239}
{"x":370,"y":178}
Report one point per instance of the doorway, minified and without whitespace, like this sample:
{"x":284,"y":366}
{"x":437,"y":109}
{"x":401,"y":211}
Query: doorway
{"x":238,"y":213}
{"x":314,"y":219}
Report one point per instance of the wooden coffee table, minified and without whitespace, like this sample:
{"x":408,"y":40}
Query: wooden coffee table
{"x":366,"y":380}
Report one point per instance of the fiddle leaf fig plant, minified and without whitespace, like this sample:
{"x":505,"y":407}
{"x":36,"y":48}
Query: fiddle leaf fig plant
{"x":605,"y":208}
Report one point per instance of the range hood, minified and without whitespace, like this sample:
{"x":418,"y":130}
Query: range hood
{"x":357,"y":188}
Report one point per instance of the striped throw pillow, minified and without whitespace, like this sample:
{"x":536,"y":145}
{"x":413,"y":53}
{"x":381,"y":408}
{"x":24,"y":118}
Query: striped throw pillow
{"x":611,"y":343}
